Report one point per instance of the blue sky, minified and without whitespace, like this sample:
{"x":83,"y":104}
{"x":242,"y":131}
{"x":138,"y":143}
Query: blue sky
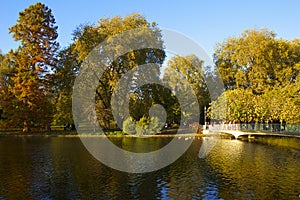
{"x":206,"y":22}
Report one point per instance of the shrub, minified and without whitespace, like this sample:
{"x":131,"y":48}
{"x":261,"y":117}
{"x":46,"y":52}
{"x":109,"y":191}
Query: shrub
{"x":141,"y":130}
{"x":144,"y":126}
{"x":147,"y":126}
{"x":155,"y":125}
{"x":129,"y":126}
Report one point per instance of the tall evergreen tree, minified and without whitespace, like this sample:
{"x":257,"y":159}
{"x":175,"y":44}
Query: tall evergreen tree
{"x":33,"y":61}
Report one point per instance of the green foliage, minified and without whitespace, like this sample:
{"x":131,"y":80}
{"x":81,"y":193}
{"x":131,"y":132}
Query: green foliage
{"x":190,"y":69}
{"x":141,"y":130}
{"x":63,"y":81}
{"x":154,"y":126}
{"x":140,"y":103}
{"x":129,"y":126}
{"x":261,"y":74}
{"x":280,"y":103}
{"x":6,"y":72}
{"x":88,"y":37}
{"x":144,"y":126}
{"x":257,"y":60}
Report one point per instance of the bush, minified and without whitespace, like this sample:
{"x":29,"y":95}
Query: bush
{"x":155,"y":125}
{"x":129,"y":126}
{"x":141,"y":130}
{"x":144,"y":126}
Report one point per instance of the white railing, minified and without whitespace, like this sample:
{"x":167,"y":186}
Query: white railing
{"x":284,"y":128}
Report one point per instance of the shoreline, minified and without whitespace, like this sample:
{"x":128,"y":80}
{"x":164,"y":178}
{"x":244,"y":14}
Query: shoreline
{"x":102,"y":136}
{"x":112,"y":133}
{"x":118,"y":134}
{"x":274,"y":140}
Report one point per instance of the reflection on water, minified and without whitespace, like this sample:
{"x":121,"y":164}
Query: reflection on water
{"x":61,"y":168}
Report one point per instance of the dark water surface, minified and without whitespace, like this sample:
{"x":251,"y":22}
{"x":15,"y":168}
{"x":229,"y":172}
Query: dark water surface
{"x":61,"y":168}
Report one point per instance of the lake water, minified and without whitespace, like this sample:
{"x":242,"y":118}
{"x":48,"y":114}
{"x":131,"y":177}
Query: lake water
{"x":61,"y":168}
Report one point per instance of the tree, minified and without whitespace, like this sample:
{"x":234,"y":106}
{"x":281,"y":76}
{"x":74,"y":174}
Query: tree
{"x":89,"y":37}
{"x":257,"y":60}
{"x":233,"y":105}
{"x":37,"y":32}
{"x":33,"y":60}
{"x":31,"y":105}
{"x":261,"y":74}
{"x":190,"y":68}
{"x":6,"y":71}
{"x":63,"y":81}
